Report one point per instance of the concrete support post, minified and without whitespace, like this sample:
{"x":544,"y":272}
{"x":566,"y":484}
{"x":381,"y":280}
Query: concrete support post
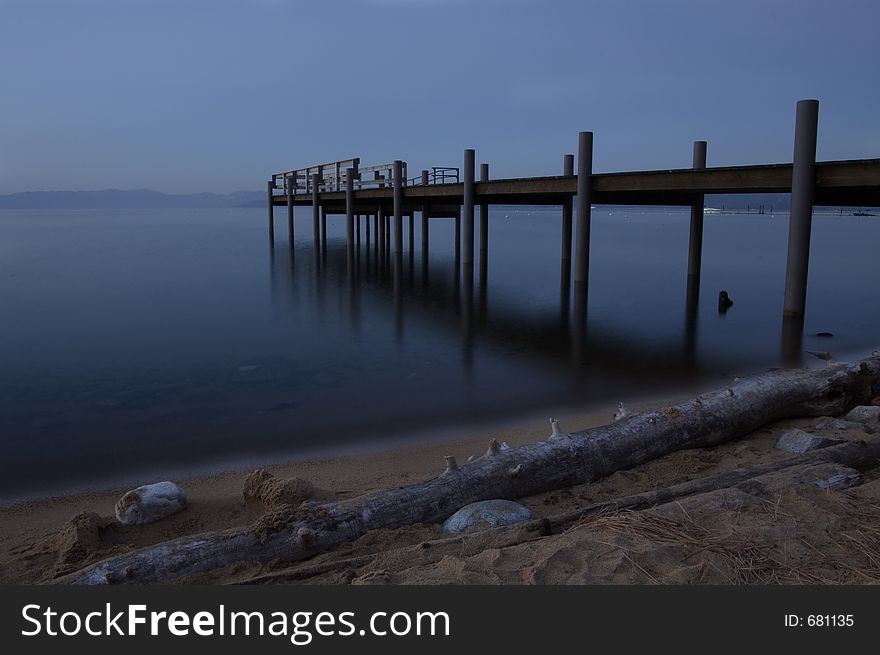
{"x":412,"y":235}
{"x":424,"y":178}
{"x":289,"y":211}
{"x":458,"y":234}
{"x":584,"y":198}
{"x":380,"y":233}
{"x":567,"y":170}
{"x":484,"y":216}
{"x":316,"y":210}
{"x":467,"y":258}
{"x":270,"y":185}
{"x":324,"y":226}
{"x":695,"y":247}
{"x":398,"y":207}
{"x":349,"y":212}
{"x":338,"y":175}
{"x":803,"y":180}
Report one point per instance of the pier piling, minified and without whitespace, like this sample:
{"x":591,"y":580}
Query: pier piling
{"x":584,"y":199}
{"x":270,"y":185}
{"x":803,"y":179}
{"x":289,"y":210}
{"x":695,"y":244}
{"x":484,"y":219}
{"x":425,"y":219}
{"x":398,"y":208}
{"x":467,"y":258}
{"x":349,"y":212}
{"x":568,"y":171}
{"x":316,"y":209}
{"x":380,"y":234}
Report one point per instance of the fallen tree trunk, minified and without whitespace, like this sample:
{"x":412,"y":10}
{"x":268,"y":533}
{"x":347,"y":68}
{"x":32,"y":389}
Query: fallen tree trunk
{"x":576,"y":458}
{"x":764,"y":480}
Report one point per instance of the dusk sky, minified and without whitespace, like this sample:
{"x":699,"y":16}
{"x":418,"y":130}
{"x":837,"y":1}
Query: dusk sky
{"x":185,"y":96}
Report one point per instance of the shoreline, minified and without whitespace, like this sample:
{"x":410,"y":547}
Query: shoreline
{"x":45,"y":539}
{"x":516,"y":430}
{"x":215,"y":498}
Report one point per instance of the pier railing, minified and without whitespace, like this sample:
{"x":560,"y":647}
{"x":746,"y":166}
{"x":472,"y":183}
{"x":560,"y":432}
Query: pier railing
{"x":333,"y":176}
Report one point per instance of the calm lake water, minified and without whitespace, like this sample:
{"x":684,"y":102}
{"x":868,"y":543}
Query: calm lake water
{"x":144,"y":343}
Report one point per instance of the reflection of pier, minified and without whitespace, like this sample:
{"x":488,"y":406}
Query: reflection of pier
{"x":375,"y":200}
{"x":440,"y":296}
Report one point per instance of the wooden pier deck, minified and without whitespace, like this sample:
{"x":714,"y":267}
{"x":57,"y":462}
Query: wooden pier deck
{"x":851,"y":183}
{"x":384,"y":196}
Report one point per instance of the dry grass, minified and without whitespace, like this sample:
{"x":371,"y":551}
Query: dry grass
{"x":755,"y":554}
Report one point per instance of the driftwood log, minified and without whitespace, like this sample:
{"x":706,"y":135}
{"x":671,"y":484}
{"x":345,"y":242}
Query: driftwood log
{"x":561,"y":461}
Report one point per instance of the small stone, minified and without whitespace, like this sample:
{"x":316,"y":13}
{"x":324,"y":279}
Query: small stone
{"x":798,"y":441}
{"x":866,"y":414}
{"x":850,"y":478}
{"x":150,"y":503}
{"x":486,"y":514}
{"x":840,"y":424}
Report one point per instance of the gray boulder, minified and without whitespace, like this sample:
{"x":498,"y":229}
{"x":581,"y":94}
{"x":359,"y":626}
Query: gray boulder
{"x":486,"y":514}
{"x":150,"y":503}
{"x":798,"y":441}
{"x":841,"y":424}
{"x":865,"y":414}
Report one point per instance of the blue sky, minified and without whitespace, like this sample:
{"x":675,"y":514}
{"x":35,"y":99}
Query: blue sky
{"x":214,"y":96}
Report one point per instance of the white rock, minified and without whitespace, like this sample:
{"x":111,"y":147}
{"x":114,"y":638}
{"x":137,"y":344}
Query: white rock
{"x":150,"y":503}
{"x":867,"y":414}
{"x":798,"y":441}
{"x":486,"y":514}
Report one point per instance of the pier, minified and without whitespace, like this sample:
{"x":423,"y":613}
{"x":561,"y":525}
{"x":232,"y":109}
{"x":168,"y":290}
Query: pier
{"x":376,"y":199}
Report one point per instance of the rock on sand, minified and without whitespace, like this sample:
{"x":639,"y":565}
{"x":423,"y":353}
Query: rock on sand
{"x":150,"y":503}
{"x":486,"y":514}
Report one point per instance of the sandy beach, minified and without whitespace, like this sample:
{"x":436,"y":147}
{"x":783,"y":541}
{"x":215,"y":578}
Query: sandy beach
{"x":799,"y":535}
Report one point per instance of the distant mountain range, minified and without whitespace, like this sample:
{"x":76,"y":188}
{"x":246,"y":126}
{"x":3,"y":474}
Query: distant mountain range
{"x":128,"y":199}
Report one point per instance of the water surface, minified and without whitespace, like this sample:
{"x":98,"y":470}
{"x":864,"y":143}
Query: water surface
{"x":136,"y":343}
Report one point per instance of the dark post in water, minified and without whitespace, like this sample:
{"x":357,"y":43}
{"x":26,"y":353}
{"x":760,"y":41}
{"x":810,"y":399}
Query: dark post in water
{"x":270,"y":185}
{"x":584,"y":199}
{"x":467,"y":258}
{"x":803,"y":179}
{"x":695,"y":247}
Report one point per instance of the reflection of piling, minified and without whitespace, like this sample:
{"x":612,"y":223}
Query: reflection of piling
{"x":467,"y":314}
{"x":803,"y":179}
{"x":791,"y":351}
{"x":578,"y":332}
{"x":691,"y":314}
